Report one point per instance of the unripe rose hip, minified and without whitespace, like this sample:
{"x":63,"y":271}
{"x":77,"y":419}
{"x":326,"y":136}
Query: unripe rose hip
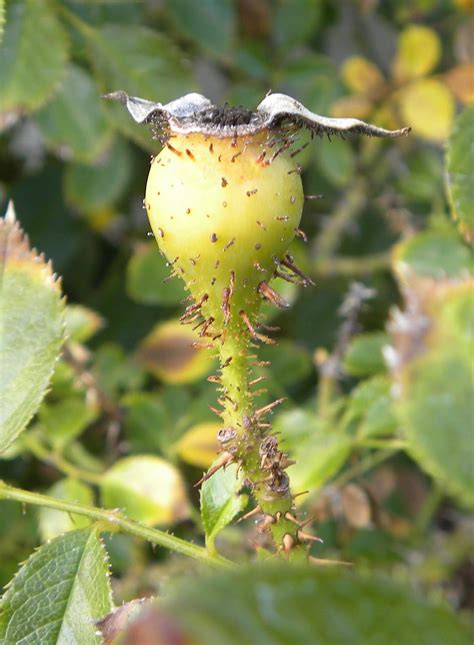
{"x":224,"y":198}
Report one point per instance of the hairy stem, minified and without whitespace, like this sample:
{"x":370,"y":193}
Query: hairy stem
{"x":116,"y":522}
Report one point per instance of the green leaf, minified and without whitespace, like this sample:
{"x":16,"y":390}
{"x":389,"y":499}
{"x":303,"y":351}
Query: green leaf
{"x":433,"y":254}
{"x":147,"y":271}
{"x":64,"y":420}
{"x":2,"y":19}
{"x":81,"y":323}
{"x":319,"y":452}
{"x":52,"y":522}
{"x":33,"y":55}
{"x":74,"y":122}
{"x":31,"y":329}
{"x":435,"y":412}
{"x":364,"y":356}
{"x":145,"y":421}
{"x":90,"y":187}
{"x":335,"y":160}
{"x":459,"y":164}
{"x":144,"y":63}
{"x":221,"y":502}
{"x":294,"y":21}
{"x":148,"y":488}
{"x":59,"y":593}
{"x":370,"y":406}
{"x":283,"y":605}
{"x":211,"y":24}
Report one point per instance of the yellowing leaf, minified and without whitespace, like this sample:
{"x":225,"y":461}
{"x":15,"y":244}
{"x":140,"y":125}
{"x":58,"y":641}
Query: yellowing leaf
{"x":199,"y":445}
{"x":460,"y":81}
{"x":419,"y":50}
{"x":148,"y":488}
{"x":170,"y":353}
{"x":361,"y":75}
{"x":355,"y":106}
{"x":428,"y":107}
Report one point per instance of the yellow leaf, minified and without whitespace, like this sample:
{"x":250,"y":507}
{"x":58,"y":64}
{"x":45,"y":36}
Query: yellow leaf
{"x":467,"y":5}
{"x":419,"y":50}
{"x":199,"y":445}
{"x":428,"y":107}
{"x":171,"y":352}
{"x":361,"y":75}
{"x":460,"y":81}
{"x":354,"y":106}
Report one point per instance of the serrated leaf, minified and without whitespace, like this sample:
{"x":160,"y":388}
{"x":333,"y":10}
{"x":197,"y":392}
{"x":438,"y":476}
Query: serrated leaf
{"x":211,"y":24}
{"x":31,"y":329}
{"x":74,"y":123}
{"x":221,"y":502}
{"x":90,"y":187}
{"x":147,"y":279}
{"x":33,"y":55}
{"x":59,"y":593}
{"x":459,"y":164}
{"x":53,"y":522}
{"x":428,"y":107}
{"x":419,"y":50}
{"x":283,"y":605}
{"x":364,"y":355}
{"x":148,"y":488}
{"x":199,"y":445}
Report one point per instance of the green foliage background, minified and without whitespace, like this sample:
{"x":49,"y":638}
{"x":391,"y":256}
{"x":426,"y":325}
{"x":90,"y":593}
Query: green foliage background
{"x":377,"y":377}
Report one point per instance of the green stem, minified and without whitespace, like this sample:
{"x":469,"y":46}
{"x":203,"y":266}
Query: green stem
{"x":350,"y":266}
{"x":114,"y":521}
{"x":361,"y":467}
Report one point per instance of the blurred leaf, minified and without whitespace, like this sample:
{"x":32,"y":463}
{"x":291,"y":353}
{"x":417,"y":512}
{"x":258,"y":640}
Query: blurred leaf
{"x":435,"y":411}
{"x":59,"y":593}
{"x":73,"y":123}
{"x":199,"y":445}
{"x":419,"y":51}
{"x":81,"y":323}
{"x":148,"y":488}
{"x":146,"y":272}
{"x":459,"y":164}
{"x":116,"y":622}
{"x":423,"y":178}
{"x":460,"y":82}
{"x":221,"y":502}
{"x":335,"y":160}
{"x":295,"y":21}
{"x":361,"y":75}
{"x":356,"y":506}
{"x":211,"y":24}
{"x":52,"y":522}
{"x":435,"y":254}
{"x":355,"y":106}
{"x":33,"y":55}
{"x":95,"y":186}
{"x":313,"y":79}
{"x":116,"y":372}
{"x":64,"y":420}
{"x":145,"y":420}
{"x":290,"y":363}
{"x":370,"y":406}
{"x":364,"y":356}
{"x":31,"y":332}
{"x":2,"y":19}
{"x":318,"y":452}
{"x":283,"y":605}
{"x":143,"y":62}
{"x":427,"y":106}
{"x":168,"y":353}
